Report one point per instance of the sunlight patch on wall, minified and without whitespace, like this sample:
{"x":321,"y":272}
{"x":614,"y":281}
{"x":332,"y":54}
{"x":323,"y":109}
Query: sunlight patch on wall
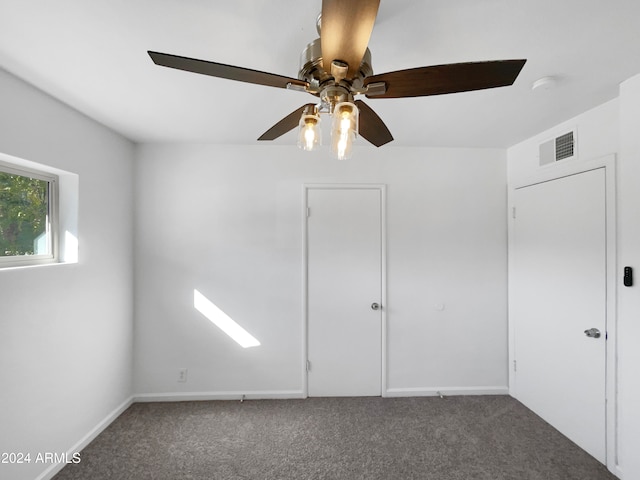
{"x":223,"y":321}
{"x":70,"y":248}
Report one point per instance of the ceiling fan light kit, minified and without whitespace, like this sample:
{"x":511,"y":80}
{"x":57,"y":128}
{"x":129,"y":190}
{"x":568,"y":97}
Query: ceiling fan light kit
{"x":310,"y":133}
{"x":344,"y":129}
{"x":337,"y":66}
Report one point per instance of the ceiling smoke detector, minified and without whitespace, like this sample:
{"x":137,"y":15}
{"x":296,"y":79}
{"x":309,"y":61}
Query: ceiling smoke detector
{"x":544,"y":83}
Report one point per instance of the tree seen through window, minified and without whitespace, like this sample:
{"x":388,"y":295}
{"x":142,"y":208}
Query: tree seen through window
{"x":24,"y":210}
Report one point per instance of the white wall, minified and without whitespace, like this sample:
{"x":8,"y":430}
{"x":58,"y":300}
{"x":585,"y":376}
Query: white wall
{"x":629,"y":298}
{"x":596,"y":144}
{"x":66,"y":330}
{"x":228,"y":222}
{"x":597,"y":136}
{"x":611,"y":128}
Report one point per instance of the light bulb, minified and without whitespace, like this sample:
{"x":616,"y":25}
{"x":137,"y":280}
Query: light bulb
{"x":345,"y":129}
{"x":310,"y":134}
{"x":309,"y":138}
{"x":345,"y":123}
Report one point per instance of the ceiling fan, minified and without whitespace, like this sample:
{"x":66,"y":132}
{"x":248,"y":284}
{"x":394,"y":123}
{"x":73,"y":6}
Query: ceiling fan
{"x":337,"y":66}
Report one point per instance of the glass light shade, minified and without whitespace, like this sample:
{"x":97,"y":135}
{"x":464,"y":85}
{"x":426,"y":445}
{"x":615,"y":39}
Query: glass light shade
{"x":310,"y":134}
{"x":344,"y":129}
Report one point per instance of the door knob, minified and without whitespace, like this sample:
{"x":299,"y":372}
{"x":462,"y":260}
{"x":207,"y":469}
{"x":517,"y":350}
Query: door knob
{"x":592,"y":332}
{"x":375,"y":306}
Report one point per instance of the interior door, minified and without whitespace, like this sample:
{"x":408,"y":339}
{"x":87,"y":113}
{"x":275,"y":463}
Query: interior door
{"x":559,"y":305}
{"x":344,"y":275}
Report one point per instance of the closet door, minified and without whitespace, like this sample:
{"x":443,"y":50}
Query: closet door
{"x":344,"y":271}
{"x":559,"y":305}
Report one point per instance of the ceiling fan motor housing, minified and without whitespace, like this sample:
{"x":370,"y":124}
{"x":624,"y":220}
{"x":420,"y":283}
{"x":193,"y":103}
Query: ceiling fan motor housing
{"x":313,"y":70}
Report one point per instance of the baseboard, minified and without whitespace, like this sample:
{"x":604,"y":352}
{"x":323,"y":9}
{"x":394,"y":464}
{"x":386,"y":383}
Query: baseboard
{"x":445,"y":391}
{"x":53,"y":469}
{"x":616,"y":471}
{"x":200,"y":396}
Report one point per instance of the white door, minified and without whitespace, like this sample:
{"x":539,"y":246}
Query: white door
{"x":344,"y":272}
{"x":559,"y":292}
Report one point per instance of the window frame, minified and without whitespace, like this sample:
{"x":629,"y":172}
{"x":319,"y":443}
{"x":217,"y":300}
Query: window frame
{"x":53,"y":203}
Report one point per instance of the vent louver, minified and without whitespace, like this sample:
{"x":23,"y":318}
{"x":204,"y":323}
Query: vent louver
{"x":559,"y":148}
{"x":564,"y":146}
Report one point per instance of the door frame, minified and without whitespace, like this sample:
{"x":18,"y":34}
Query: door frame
{"x":305,"y":274}
{"x":555,"y":172}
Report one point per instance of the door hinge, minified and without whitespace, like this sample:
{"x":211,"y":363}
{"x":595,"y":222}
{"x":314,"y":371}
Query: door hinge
{"x":308,"y":365}
{"x":515,"y":366}
{"x":513,"y":212}
{"x":308,"y":212}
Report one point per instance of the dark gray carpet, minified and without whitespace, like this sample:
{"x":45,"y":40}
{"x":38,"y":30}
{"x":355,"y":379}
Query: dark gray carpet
{"x":456,"y":438}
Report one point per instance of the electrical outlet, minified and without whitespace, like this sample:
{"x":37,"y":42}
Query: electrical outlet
{"x":182,"y":375}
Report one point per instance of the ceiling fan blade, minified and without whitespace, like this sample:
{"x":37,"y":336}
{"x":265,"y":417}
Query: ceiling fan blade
{"x":451,"y":78}
{"x":224,"y":71}
{"x":372,"y":128}
{"x":286,"y":124}
{"x":345,"y":31}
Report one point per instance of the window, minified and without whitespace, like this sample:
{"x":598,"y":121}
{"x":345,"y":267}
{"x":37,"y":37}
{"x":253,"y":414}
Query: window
{"x":28,"y":212}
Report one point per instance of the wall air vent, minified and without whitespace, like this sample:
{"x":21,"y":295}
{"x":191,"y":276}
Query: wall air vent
{"x":564,"y":146}
{"x":559,"y":148}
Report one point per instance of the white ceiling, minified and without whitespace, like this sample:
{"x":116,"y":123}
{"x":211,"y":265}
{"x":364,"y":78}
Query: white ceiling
{"x":92,"y":56}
